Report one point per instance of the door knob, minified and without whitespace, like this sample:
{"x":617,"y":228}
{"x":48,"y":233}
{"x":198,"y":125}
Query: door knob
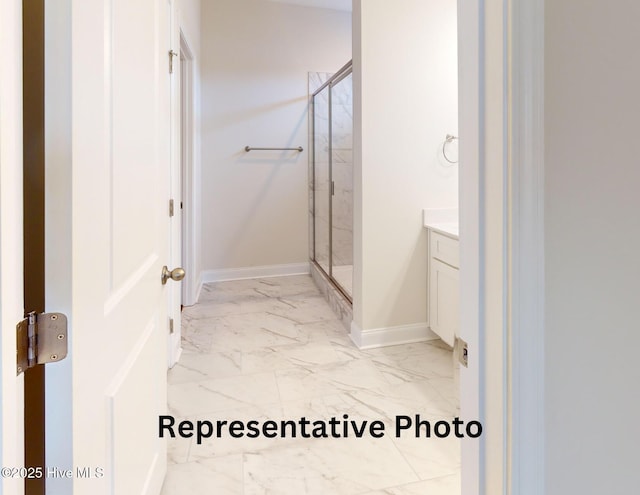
{"x":176,"y":274}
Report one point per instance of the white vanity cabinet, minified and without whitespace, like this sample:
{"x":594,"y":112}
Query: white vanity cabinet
{"x":443,"y":285}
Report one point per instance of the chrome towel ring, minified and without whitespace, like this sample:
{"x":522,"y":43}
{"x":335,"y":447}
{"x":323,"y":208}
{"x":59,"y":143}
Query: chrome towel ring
{"x":447,"y":140}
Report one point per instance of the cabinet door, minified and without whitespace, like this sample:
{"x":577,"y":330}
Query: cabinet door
{"x":443,"y":300}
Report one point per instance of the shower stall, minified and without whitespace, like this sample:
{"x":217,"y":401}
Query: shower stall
{"x":332,"y":177}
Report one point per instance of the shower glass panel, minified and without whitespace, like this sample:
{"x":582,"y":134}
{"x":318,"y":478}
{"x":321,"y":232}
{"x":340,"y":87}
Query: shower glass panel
{"x":342,"y":183}
{"x":333,"y":179}
{"x":321,"y":178}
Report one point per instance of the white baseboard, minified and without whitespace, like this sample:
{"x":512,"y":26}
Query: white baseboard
{"x":198,"y":288}
{"x":177,"y":357}
{"x":255,"y":272}
{"x":193,"y":292}
{"x":386,"y":336}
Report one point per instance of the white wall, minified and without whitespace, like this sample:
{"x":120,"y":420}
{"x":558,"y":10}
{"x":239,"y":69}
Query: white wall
{"x":255,"y":60}
{"x":405,"y":86}
{"x":189,"y":15}
{"x":592,"y":232}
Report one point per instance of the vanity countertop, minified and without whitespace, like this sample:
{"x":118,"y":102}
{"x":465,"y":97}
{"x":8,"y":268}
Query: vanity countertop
{"x":443,"y":220}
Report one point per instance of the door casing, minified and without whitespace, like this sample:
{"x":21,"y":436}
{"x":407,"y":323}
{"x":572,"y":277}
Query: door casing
{"x":191,"y":284}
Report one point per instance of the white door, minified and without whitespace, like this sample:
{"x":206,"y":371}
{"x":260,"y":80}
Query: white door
{"x":11,"y":301}
{"x":107,"y":241}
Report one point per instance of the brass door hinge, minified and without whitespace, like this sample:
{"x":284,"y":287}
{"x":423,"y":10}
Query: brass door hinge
{"x":171,"y":208}
{"x":41,"y":338}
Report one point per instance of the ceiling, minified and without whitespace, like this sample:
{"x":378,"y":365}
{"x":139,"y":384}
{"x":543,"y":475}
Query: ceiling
{"x":344,"y":5}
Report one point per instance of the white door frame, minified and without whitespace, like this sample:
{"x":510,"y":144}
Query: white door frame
{"x":469,"y":15}
{"x":11,"y":255}
{"x":183,"y":185}
{"x":58,"y":160}
{"x":176,"y":254}
{"x":526,"y":237}
{"x":189,"y":186}
{"x":501,"y":61}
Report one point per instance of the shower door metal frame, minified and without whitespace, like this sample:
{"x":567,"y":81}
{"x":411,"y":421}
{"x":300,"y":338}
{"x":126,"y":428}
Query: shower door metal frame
{"x":344,"y":72}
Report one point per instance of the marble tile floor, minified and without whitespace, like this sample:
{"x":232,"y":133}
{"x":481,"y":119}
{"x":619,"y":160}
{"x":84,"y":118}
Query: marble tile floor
{"x":272,"y":349}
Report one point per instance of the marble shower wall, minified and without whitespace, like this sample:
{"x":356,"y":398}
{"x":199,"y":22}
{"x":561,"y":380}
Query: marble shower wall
{"x":342,"y":158}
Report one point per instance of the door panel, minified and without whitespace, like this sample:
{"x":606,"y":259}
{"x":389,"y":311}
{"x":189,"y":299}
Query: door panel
{"x":444,"y":300}
{"x":11,"y":290}
{"x":115,"y":247}
{"x":127,"y":414}
{"x":133,"y":161}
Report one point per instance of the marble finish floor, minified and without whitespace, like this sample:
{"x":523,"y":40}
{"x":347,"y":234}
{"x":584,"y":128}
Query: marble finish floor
{"x":272,"y":349}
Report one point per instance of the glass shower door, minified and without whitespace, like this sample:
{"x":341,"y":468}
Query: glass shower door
{"x":332,"y":121}
{"x":341,"y":176}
